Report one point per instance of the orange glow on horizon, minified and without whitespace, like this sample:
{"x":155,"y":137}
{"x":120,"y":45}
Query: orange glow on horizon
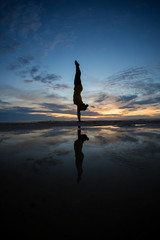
{"x":113,"y":113}
{"x":69,"y":116}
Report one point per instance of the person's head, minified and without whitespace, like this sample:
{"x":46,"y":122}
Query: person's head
{"x":83,"y":107}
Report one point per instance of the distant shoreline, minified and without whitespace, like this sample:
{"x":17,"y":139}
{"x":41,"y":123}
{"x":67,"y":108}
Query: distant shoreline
{"x":13,"y":126}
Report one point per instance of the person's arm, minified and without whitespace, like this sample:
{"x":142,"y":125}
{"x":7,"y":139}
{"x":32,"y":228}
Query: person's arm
{"x":78,"y":113}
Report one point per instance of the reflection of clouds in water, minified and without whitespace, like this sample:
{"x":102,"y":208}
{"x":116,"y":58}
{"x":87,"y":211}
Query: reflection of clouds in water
{"x":122,"y":145}
{"x":50,"y":156}
{"x":31,"y":144}
{"x":3,"y":138}
{"x":61,"y":152}
{"x":127,"y":146}
{"x":155,"y":136}
{"x":44,"y":162}
{"x":51,"y":159}
{"x":57,"y":132}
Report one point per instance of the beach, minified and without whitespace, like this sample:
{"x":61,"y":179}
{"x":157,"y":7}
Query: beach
{"x":9,"y":126}
{"x":68,"y":182}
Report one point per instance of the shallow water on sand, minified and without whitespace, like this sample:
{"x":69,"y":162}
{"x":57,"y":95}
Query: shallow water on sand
{"x":70,"y":182}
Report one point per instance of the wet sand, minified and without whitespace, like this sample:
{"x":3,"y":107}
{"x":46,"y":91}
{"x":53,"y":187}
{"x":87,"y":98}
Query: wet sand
{"x":13,"y":126}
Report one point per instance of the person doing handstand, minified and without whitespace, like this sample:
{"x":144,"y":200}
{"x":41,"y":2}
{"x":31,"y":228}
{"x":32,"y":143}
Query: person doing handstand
{"x":78,"y":88}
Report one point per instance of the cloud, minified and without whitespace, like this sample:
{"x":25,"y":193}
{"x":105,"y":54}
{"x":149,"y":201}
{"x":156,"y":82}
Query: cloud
{"x":150,"y":101}
{"x":101,"y":98}
{"x":52,"y":95}
{"x":61,"y":152}
{"x":3,"y":102}
{"x":147,"y":87}
{"x":61,"y":86}
{"x":129,"y":106}
{"x":28,"y":96}
{"x":137,"y":104}
{"x":141,"y":80}
{"x":65,"y":109}
{"x":129,"y":74}
{"x":126,"y":98}
{"x":20,"y":62}
{"x":58,"y":108}
{"x":53,"y":106}
{"x":25,"y":60}
{"x":35,"y":72}
{"x":21,"y":114}
{"x":44,"y":78}
{"x":22,"y":94}
{"x":91,"y":113}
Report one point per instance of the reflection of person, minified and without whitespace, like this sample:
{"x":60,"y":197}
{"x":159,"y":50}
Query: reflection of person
{"x":77,"y":99}
{"x":78,"y":144}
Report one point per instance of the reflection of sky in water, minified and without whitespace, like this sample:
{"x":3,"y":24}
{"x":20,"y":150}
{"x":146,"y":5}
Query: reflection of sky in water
{"x":125,"y":147}
{"x":117,"y":170}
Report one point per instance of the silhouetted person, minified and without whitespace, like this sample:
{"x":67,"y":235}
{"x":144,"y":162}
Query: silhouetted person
{"x":77,"y":99}
{"x":78,"y":144}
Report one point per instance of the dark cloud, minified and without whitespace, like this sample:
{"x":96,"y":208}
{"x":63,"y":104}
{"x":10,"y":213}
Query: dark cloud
{"x":147,"y":87}
{"x":56,"y":96}
{"x":126,"y":98}
{"x":101,"y":98}
{"x":52,"y":106}
{"x":44,"y":78}
{"x":20,"y":62}
{"x":22,"y":94}
{"x":141,"y":79}
{"x":34,"y":70}
{"x":64,"y":109}
{"x":138,"y":104}
{"x":150,"y":101}
{"x":61,"y":86}
{"x":21,"y":110}
{"x":22,"y":114}
{"x":3,"y":102}
{"x":58,"y":108}
{"x":51,"y":95}
{"x":129,"y":74}
{"x":25,"y":60}
{"x":131,"y":107}
{"x":90,"y":113}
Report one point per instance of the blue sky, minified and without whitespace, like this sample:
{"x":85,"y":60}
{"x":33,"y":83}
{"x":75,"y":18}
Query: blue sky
{"x":115,"y":42}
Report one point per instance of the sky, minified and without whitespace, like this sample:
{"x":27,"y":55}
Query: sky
{"x":115,"y":42}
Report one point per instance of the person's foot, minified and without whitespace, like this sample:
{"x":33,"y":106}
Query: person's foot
{"x":76,"y":63}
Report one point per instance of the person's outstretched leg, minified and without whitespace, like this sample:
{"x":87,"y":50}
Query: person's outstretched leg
{"x":77,"y":79}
